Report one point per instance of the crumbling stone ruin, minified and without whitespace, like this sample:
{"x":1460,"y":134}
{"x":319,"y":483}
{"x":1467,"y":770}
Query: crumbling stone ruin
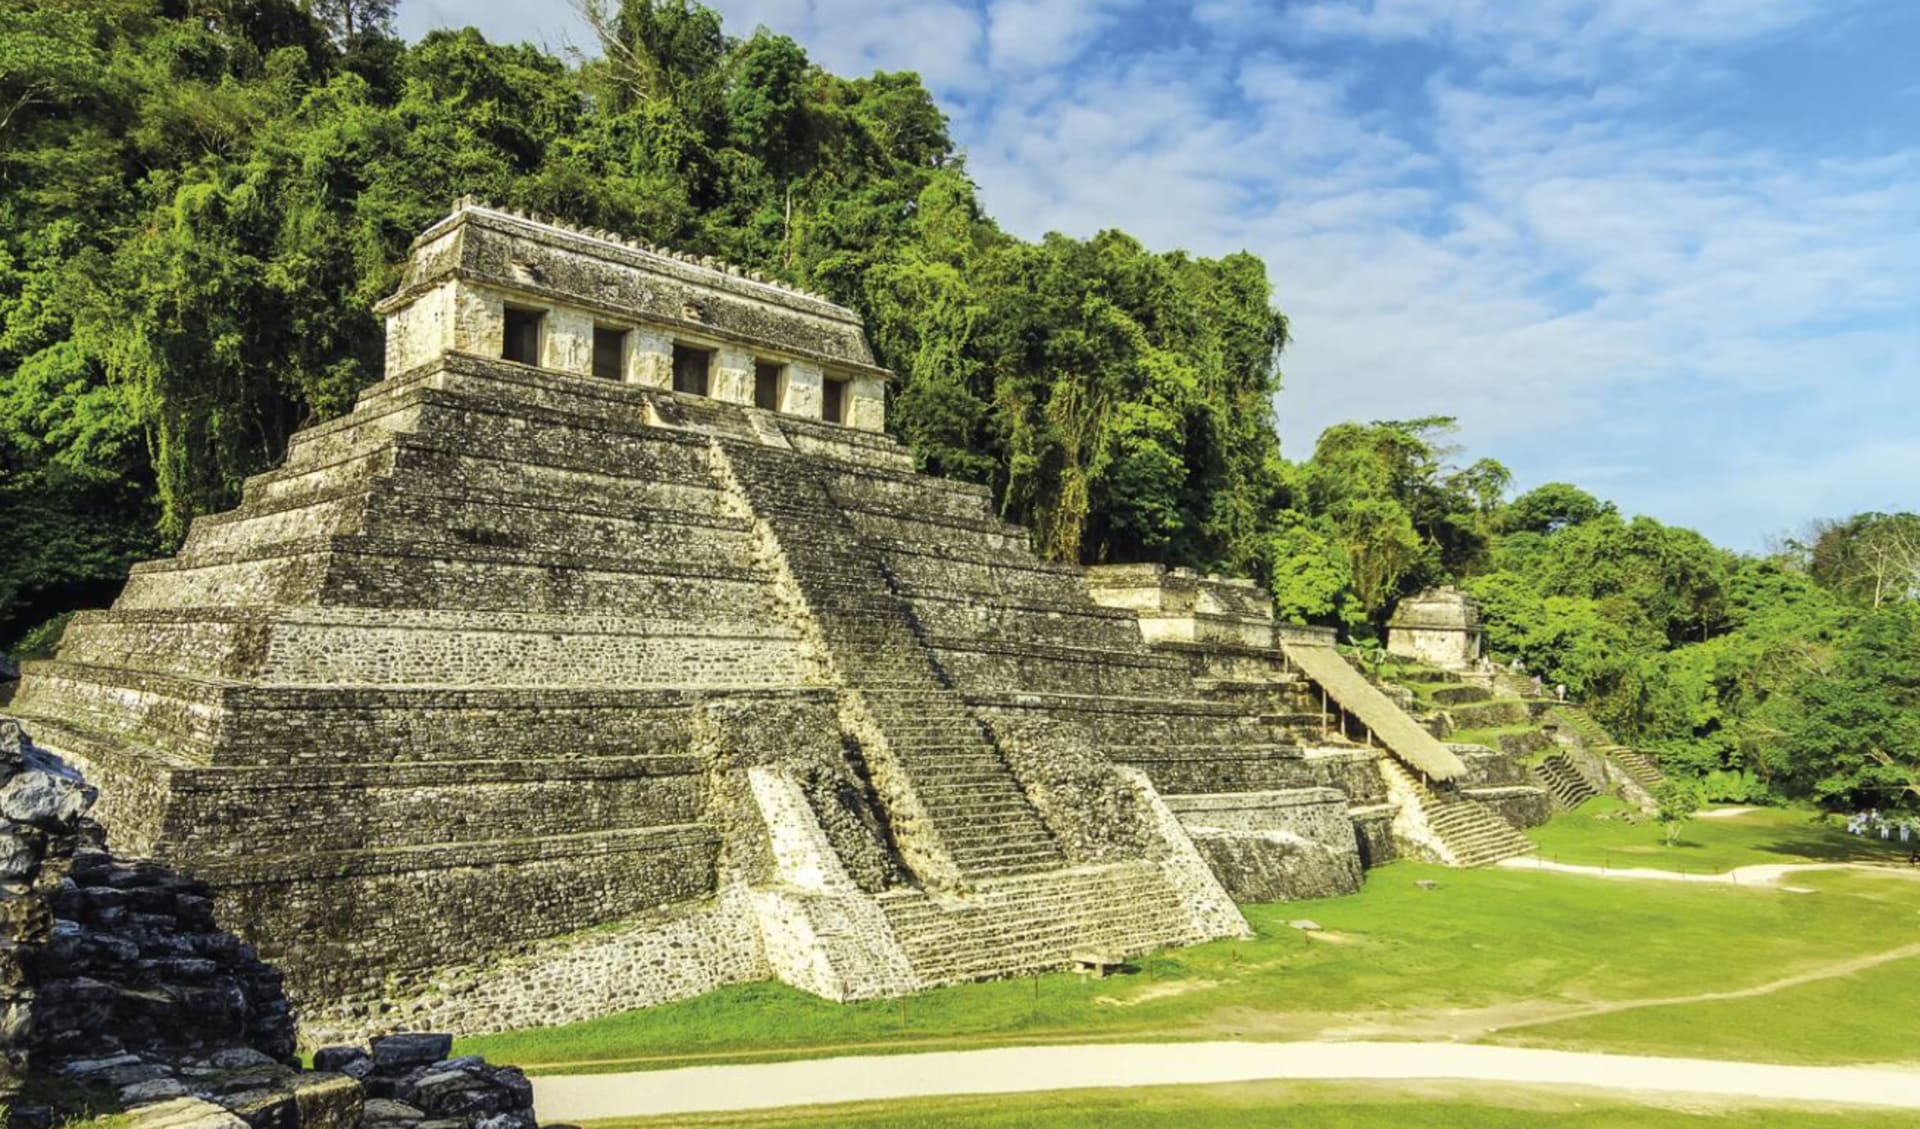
{"x":1350,"y":779}
{"x":122,"y":994}
{"x":42,"y":808}
{"x":609,"y":652}
{"x":1439,"y":627}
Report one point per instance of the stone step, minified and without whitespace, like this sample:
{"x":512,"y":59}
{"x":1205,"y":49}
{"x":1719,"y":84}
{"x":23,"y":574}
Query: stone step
{"x":1640,"y":767}
{"x":984,"y":819}
{"x":1023,"y":925}
{"x":1565,"y":783}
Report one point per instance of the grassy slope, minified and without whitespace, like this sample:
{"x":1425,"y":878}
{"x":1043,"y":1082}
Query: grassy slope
{"x":1481,"y":939}
{"x":1292,"y":1105}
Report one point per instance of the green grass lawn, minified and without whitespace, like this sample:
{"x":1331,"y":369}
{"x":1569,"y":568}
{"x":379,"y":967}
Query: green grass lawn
{"x":1395,"y":956}
{"x":1292,"y":1105}
{"x":1866,"y":1016}
{"x":1598,"y":835}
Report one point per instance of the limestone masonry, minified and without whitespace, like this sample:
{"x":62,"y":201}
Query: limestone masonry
{"x":609,"y":651}
{"x":1440,"y":627}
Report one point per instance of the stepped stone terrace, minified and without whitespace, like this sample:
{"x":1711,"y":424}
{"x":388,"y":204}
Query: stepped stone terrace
{"x":608,"y":651}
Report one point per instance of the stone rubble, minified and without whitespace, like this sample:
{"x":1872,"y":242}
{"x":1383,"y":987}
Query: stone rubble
{"x":117,"y":982}
{"x":409,"y":1081}
{"x":42,"y":803}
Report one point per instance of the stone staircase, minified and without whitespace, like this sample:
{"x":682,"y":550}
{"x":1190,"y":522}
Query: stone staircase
{"x":1639,"y":767}
{"x":1584,"y":725}
{"x":1513,"y":685}
{"x":1568,"y":786}
{"x":976,"y":805}
{"x":1017,"y":925}
{"x":1475,"y":835}
{"x":1469,"y":831}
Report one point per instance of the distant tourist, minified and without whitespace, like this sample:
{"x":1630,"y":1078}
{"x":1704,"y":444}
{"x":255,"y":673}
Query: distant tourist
{"x":1539,"y":687}
{"x":1560,"y":691}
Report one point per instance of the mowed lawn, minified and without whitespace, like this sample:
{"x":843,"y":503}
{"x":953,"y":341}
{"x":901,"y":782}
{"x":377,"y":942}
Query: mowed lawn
{"x":1868,"y":1016}
{"x":1487,"y":953}
{"x":1600,"y":834}
{"x":1291,"y":1105}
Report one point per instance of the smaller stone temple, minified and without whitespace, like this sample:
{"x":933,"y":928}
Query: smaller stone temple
{"x":1439,"y":627}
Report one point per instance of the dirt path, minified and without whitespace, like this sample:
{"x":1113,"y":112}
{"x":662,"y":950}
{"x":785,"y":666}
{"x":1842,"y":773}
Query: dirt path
{"x":1008,"y":1070}
{"x":1810,"y":976}
{"x":1470,"y":1023}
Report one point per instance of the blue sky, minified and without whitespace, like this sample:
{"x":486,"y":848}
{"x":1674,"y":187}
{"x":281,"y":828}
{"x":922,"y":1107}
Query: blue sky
{"x":1666,"y":249}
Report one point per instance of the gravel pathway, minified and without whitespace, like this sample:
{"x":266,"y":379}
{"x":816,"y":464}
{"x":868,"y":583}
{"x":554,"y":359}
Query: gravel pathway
{"x":1008,"y":1070}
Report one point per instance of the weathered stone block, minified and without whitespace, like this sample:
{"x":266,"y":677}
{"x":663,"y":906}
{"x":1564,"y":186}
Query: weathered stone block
{"x":392,"y":1053}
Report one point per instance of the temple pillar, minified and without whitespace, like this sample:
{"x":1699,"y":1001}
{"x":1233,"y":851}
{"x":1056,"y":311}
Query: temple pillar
{"x":732,"y":375}
{"x":803,"y":390}
{"x":867,"y":404}
{"x":649,"y":359}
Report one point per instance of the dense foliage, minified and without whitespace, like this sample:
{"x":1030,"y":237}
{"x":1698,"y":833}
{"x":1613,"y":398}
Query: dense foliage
{"x":1794,"y":673}
{"x":200,"y":200}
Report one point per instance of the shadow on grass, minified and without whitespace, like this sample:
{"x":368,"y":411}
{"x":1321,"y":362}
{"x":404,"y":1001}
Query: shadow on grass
{"x":1828,"y":845}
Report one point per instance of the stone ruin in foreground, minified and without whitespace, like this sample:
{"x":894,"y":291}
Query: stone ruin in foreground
{"x":608,"y":652}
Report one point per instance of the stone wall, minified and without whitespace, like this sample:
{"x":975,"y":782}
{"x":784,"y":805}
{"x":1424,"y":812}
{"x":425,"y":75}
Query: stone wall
{"x":1275,"y":846}
{"x":647,"y":959}
{"x":1521,"y":805}
{"x":43,"y":806}
{"x":1373,"y":827}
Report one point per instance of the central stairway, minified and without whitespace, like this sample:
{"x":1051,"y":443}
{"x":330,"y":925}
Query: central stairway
{"x":975,"y":804}
{"x":1638,"y":766}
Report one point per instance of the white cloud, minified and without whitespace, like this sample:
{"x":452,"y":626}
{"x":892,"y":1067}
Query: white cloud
{"x":1030,"y":34}
{"x":1557,"y":38}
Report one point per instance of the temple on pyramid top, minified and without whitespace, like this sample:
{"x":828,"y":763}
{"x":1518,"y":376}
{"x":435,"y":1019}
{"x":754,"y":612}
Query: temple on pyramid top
{"x":495,"y":284}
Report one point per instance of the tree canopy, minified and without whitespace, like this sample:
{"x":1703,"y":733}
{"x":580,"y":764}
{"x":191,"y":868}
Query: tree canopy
{"x":200,"y":202}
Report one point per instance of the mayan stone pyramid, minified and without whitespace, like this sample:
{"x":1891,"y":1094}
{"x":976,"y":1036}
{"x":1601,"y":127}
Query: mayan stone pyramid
{"x":608,"y":652}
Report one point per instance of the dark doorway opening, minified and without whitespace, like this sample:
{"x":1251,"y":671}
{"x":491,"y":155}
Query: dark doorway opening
{"x":690,"y":368}
{"x":768,"y":379}
{"x":609,"y":346}
{"x":521,"y":342}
